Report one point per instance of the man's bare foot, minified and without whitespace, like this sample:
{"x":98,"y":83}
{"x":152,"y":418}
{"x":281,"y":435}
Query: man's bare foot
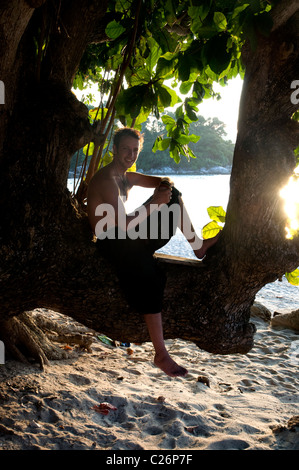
{"x":168,"y":365}
{"x":206,"y":244}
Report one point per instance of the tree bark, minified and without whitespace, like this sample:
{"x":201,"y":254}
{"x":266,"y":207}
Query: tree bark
{"x":48,"y":258}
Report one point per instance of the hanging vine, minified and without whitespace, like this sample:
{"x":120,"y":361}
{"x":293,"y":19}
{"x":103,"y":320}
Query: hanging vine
{"x":104,"y":117}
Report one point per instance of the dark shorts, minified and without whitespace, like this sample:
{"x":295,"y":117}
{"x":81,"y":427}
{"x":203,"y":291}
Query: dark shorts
{"x":141,"y":279}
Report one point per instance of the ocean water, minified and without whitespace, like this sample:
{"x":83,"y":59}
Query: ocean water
{"x":199,"y":192}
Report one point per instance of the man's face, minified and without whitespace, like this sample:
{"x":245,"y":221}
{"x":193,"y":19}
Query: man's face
{"x":127,"y":151}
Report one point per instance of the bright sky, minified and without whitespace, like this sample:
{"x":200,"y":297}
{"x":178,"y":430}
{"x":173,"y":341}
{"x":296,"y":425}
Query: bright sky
{"x":226,"y":109}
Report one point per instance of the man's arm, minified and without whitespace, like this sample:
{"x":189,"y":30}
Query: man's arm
{"x":146,"y":181}
{"x":106,"y":208}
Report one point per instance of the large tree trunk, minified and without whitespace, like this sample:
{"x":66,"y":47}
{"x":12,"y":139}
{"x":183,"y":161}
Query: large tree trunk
{"x":48,"y":258}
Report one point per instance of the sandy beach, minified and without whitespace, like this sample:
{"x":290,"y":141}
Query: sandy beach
{"x":114,"y":398}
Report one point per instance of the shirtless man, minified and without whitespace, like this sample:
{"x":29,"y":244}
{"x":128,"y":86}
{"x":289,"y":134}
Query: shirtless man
{"x":111,"y":186}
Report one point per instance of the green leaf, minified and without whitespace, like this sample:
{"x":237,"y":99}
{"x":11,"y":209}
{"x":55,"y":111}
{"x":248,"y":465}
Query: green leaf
{"x":190,"y":112}
{"x":114,"y":29}
{"x":133,"y":167}
{"x":107,"y":158}
{"x":295,"y":116}
{"x":175,"y":154}
{"x":175,"y":99}
{"x":217,"y":213}
{"x":239,"y":9}
{"x":114,"y":62}
{"x":194,"y":138}
{"x":79,"y":82}
{"x":155,"y":53}
{"x":88,"y":149}
{"x":215,"y":54}
{"x":198,"y":15}
{"x":169,"y":122}
{"x":131,"y":100}
{"x":186,"y":87}
{"x":170,"y":12}
{"x":255,"y":5}
{"x":98,"y":113}
{"x":191,"y":154}
{"x":200,"y":11}
{"x":164,"y":96}
{"x":186,"y":139}
{"x":122,"y":5}
{"x":161,"y":144}
{"x":220,"y":20}
{"x":167,"y":96}
{"x":183,"y":139}
{"x":165,"y":68}
{"x":293,"y":277}
{"x":199,"y":91}
{"x":210,"y":230}
{"x":184,"y":67}
{"x":127,"y":121}
{"x":141,"y":77}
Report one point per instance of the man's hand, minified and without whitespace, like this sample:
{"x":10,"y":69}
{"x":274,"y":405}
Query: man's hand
{"x":162,"y":195}
{"x":166,"y":181}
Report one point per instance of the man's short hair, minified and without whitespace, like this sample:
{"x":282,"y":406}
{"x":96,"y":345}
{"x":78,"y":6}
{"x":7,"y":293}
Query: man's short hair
{"x":127,"y":131}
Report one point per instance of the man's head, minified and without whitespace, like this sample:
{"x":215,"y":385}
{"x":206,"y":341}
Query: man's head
{"x":127,"y":144}
{"x":127,"y":132}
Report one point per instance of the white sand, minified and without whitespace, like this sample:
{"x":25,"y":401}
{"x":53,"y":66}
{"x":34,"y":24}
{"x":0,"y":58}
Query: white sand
{"x":247,"y":405}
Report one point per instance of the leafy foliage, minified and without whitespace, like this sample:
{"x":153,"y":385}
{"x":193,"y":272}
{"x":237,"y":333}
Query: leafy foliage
{"x":211,"y":149}
{"x":217,"y":215}
{"x":211,"y":229}
{"x":153,"y":46}
{"x":293,"y":277}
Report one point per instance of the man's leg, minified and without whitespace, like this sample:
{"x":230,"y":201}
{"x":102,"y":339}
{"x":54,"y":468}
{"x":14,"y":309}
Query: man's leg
{"x":198,"y":245}
{"x":180,"y":218}
{"x":162,"y":358}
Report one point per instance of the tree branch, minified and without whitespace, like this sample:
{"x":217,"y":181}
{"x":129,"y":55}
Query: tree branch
{"x":97,"y":34}
{"x":35,"y":3}
{"x":14,"y":19}
{"x":283,"y":12}
{"x":68,"y":42}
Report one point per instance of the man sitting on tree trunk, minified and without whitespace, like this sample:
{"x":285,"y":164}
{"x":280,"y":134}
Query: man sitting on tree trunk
{"x":130,"y":240}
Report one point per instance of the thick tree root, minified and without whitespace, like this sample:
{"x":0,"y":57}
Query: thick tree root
{"x":33,"y":336}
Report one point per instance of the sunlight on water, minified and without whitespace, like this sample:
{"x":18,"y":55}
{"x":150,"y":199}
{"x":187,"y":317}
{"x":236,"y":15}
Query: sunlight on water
{"x":290,"y":194}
